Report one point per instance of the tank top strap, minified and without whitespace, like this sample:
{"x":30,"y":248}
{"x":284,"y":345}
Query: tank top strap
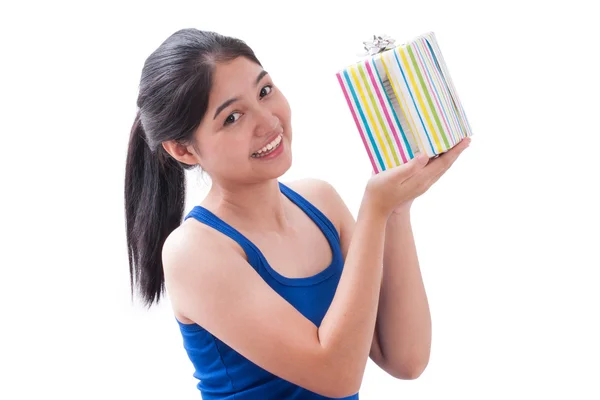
{"x":207,"y":217}
{"x":316,"y":215}
{"x":252,"y":252}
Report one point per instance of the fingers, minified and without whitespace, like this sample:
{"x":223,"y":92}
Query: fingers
{"x":440,"y":165}
{"x":412,"y":167}
{"x":427,"y":168}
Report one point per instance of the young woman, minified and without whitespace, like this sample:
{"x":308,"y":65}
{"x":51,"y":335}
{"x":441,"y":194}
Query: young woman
{"x":278,"y":292}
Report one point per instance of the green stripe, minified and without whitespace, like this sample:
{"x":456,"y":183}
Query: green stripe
{"x":435,"y":116}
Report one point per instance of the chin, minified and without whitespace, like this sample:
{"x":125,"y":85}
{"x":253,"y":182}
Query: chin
{"x":283,"y":164}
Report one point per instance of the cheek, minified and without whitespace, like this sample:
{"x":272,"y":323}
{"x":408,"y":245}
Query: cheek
{"x":284,"y":111}
{"x":232,"y":146}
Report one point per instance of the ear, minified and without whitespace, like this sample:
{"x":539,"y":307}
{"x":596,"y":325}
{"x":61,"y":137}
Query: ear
{"x":180,"y":152}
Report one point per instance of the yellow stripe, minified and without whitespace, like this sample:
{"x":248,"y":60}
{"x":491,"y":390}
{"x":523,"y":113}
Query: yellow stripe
{"x":423,"y":107}
{"x":376,"y":108}
{"x":403,"y":107}
{"x":371,"y":119}
{"x":445,"y":109}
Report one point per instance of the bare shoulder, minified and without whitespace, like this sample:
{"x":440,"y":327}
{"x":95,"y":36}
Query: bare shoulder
{"x":322,"y":195}
{"x":193,"y":256}
{"x":316,"y":190}
{"x":191,"y":242}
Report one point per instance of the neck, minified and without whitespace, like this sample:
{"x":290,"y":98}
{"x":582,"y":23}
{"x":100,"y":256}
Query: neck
{"x":251,"y":206}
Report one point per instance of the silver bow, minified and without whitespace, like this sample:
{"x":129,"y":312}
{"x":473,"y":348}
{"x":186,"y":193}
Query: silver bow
{"x":378,"y":44}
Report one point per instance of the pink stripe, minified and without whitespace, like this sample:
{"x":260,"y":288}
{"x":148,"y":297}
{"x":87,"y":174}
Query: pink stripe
{"x":433,"y":94}
{"x":453,"y":118}
{"x":454,"y":122}
{"x":387,"y":116}
{"x":458,"y":104}
{"x":362,"y":134}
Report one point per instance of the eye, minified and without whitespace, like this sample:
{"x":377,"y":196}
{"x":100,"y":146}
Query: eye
{"x":266,"y":90}
{"x":231,"y":118}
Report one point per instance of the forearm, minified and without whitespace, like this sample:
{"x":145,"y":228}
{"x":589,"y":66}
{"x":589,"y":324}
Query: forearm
{"x":404,"y":320}
{"x":346,"y":332}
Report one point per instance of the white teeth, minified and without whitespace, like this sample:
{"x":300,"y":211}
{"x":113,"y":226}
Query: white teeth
{"x":271,"y":146}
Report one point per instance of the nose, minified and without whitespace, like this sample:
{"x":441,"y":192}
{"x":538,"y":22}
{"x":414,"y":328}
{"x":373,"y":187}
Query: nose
{"x":266,"y":123}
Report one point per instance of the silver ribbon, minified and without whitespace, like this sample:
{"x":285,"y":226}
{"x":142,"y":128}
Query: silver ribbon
{"x":379,"y":44}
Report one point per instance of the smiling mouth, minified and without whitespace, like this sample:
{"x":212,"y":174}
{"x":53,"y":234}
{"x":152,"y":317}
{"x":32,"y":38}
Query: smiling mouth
{"x":266,"y":150}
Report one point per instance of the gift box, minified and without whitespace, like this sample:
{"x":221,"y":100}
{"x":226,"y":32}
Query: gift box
{"x":403,"y":101}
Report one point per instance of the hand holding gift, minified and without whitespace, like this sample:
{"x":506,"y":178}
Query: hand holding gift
{"x":403,"y":101}
{"x":396,"y":188}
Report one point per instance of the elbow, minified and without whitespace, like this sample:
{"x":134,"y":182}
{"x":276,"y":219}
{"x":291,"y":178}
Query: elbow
{"x":345,"y":392}
{"x":345,"y":387}
{"x":407,"y":370}
{"x":406,"y":374}
{"x":343,"y":382}
{"x":340,"y":393}
{"x":339,"y":390}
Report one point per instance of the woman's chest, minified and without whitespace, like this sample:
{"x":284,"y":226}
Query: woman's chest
{"x":303,"y":253}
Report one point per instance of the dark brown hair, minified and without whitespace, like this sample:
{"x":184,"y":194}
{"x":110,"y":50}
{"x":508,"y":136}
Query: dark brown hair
{"x":173,"y":97}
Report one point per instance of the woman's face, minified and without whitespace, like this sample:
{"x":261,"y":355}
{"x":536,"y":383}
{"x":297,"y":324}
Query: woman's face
{"x":246,"y":135}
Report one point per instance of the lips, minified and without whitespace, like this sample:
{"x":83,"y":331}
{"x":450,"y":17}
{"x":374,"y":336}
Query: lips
{"x":270,"y":140}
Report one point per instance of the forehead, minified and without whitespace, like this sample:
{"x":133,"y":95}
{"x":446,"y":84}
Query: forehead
{"x":233,"y":78}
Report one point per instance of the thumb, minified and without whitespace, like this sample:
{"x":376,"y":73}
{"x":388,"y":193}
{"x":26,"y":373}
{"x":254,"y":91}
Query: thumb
{"x":415,"y":164}
{"x":421,"y":159}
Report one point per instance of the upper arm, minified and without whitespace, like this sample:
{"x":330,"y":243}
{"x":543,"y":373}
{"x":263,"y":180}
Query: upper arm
{"x":329,"y":201}
{"x":220,"y":291}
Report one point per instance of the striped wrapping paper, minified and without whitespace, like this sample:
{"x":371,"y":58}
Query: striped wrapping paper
{"x":403,"y":102}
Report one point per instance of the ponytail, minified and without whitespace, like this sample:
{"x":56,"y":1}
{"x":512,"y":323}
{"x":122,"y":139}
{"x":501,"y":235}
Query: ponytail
{"x":154,"y":205}
{"x":173,"y":98}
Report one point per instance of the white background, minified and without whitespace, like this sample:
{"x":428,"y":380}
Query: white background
{"x":507,"y":240}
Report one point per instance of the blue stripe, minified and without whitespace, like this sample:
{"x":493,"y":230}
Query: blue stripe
{"x":450,"y":117}
{"x":362,"y":116}
{"x":413,"y":100}
{"x":456,"y":106}
{"x":410,"y":153}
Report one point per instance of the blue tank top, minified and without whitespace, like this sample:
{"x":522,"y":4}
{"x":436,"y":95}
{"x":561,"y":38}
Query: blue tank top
{"x":222,"y":372}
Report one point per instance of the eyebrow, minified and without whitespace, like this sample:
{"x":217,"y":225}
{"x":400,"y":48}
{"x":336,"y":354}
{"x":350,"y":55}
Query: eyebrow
{"x":228,"y":102}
